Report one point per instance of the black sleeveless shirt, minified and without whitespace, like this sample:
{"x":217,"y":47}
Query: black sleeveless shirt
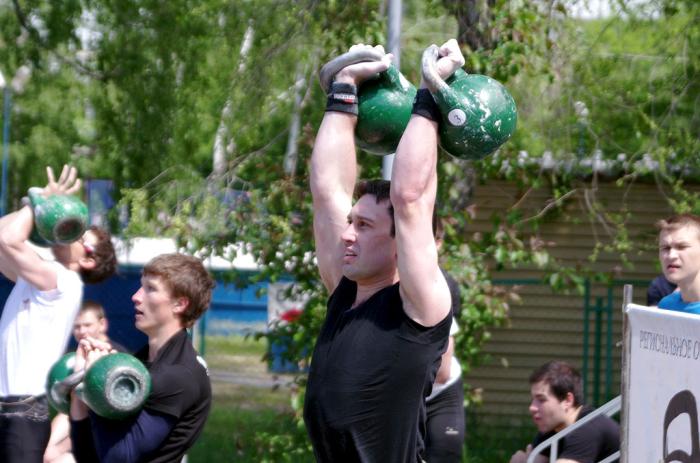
{"x":371,"y":369}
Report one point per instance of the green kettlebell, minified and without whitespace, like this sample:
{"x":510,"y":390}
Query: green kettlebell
{"x":478,"y":113}
{"x":384,"y":102}
{"x":60,"y":370}
{"x":115,"y":386}
{"x":58,"y":219}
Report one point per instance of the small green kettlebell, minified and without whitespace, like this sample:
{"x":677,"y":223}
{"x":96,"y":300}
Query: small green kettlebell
{"x":478,"y":113}
{"x":384,"y":102}
{"x":58,"y":219}
{"x":60,"y":370}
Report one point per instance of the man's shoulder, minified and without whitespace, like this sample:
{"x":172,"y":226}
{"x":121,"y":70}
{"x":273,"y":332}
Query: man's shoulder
{"x":600,"y":427}
{"x":671,"y":301}
{"x":674,"y":301}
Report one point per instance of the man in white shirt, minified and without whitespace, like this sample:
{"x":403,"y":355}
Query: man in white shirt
{"x":38,"y":317}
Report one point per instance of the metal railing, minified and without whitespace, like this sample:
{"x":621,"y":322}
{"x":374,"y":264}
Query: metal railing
{"x":609,"y":409}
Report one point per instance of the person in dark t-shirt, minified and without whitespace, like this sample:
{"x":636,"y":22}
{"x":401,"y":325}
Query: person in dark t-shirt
{"x":557,"y":403}
{"x":175,"y":291}
{"x":659,"y":288}
{"x":388,"y":316}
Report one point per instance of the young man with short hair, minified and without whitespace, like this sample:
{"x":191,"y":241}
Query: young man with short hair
{"x":91,"y":322}
{"x":37,"y":318}
{"x":175,"y":291}
{"x":557,"y":403}
{"x":679,"y":253}
{"x":388,"y":316}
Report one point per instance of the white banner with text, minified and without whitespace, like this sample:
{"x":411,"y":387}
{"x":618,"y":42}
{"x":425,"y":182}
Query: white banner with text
{"x":664,"y":385}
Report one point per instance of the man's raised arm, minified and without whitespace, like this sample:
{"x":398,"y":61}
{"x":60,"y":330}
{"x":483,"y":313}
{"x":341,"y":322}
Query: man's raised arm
{"x":424,"y":290}
{"x":334,"y":167}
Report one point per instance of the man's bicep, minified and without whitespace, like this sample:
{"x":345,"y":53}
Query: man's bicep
{"x":147,"y":433}
{"x":422,"y":282}
{"x":20,"y":260}
{"x":328,"y":228}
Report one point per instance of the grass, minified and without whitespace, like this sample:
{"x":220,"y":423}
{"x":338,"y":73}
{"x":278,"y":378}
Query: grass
{"x":253,"y":424}
{"x":241,"y":414}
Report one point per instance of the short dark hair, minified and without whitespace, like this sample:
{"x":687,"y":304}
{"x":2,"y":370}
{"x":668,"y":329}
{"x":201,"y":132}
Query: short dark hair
{"x":381,"y":190}
{"x":105,"y":258}
{"x":562,"y":378}
{"x":185,"y":276}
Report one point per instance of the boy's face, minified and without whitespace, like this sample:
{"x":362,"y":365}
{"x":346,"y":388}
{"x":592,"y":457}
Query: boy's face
{"x":547,"y":411}
{"x":88,"y":324}
{"x":679,"y":253}
{"x":155,"y":306}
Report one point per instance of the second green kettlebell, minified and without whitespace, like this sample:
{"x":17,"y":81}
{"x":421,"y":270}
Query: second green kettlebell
{"x":478,"y":113}
{"x":58,"y":219}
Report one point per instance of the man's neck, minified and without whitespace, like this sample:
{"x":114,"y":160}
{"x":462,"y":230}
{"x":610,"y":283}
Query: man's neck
{"x":366,"y":289}
{"x":158,"y":340}
{"x":689,"y":292}
{"x":571,"y":418}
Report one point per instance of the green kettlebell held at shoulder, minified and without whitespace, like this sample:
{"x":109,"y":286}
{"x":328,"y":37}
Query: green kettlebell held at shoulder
{"x":478,"y":113}
{"x":384,"y":102}
{"x":58,"y":219}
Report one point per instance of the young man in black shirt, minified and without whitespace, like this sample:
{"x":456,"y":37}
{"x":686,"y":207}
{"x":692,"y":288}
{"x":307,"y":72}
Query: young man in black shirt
{"x":175,"y":291}
{"x":388,"y":315}
{"x":557,"y":403}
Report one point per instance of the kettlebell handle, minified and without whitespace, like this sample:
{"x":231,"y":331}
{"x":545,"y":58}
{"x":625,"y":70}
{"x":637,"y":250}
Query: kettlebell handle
{"x":62,"y":388}
{"x":429,"y":70}
{"x":334,"y":66}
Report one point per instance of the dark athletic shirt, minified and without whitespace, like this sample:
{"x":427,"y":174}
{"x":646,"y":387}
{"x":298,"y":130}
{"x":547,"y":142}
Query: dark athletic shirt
{"x":591,"y":443}
{"x":658,"y":289}
{"x":371,"y":370}
{"x":180,"y":388}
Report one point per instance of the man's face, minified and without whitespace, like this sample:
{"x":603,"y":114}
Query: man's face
{"x":679,"y":253}
{"x":84,"y":247}
{"x":87,"y":324}
{"x":548,"y":413}
{"x":370,"y":250}
{"x":154,"y":305}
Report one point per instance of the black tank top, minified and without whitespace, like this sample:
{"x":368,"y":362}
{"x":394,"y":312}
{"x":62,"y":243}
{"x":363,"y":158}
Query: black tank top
{"x":371,"y":369}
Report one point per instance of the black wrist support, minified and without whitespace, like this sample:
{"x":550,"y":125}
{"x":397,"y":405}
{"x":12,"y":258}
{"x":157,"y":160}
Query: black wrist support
{"x":424,"y":105}
{"x":342,"y":98}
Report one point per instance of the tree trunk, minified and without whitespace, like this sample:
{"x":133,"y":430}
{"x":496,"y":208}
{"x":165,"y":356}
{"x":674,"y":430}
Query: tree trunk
{"x":474,"y":19}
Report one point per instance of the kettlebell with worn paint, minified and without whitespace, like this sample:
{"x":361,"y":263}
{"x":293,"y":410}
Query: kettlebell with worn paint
{"x":58,"y":219}
{"x":60,"y":370}
{"x":478,"y":113}
{"x":384,"y":102}
{"x":115,"y":386}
